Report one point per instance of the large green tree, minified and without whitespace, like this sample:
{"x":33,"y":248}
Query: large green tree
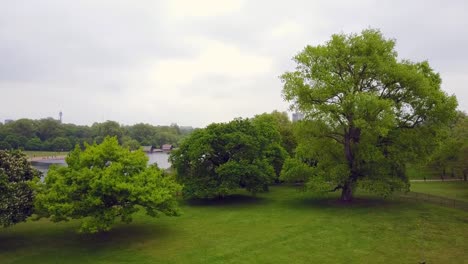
{"x":104,"y":183}
{"x":214,"y":161}
{"x":367,"y":113}
{"x":16,"y":192}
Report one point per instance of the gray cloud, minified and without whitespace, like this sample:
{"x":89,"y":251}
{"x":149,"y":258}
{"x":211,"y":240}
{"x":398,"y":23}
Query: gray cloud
{"x":144,"y":62}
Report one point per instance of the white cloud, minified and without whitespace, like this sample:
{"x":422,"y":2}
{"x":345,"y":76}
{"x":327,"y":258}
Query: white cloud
{"x":287,"y":29}
{"x":182,"y":9}
{"x":214,"y":58}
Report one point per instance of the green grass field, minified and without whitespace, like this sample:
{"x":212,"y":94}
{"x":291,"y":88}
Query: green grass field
{"x":419,"y":171}
{"x":451,"y":189}
{"x":282,"y":226}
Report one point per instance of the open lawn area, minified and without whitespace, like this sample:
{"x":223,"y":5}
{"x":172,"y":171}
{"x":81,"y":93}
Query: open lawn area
{"x":451,"y":189}
{"x":282,"y":226}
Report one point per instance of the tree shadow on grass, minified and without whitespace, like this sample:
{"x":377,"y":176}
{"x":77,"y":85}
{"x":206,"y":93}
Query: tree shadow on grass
{"x":123,"y":235}
{"x":54,"y":237}
{"x":231,"y":200}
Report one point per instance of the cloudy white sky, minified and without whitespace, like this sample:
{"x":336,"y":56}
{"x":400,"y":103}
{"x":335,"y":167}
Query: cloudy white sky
{"x":194,"y":62}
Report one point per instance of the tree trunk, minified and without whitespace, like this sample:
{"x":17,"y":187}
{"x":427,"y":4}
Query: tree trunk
{"x":352,"y":136}
{"x":464,"y":175}
{"x":347,"y":192}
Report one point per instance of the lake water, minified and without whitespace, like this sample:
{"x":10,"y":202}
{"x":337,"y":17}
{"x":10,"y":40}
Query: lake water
{"x":160,"y":158}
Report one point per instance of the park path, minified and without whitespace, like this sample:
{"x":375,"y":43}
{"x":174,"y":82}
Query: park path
{"x":59,"y":157}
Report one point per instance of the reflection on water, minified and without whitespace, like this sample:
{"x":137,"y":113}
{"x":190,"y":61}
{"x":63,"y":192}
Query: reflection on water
{"x":160,"y":158}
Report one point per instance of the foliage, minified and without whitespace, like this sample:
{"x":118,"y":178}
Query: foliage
{"x":102,"y":183}
{"x":367,"y":113}
{"x":16,"y":193}
{"x":61,"y":144}
{"x":34,"y":144}
{"x":5,"y":145}
{"x":108,"y":128}
{"x":284,"y":126}
{"x":452,"y":152}
{"x":51,"y":135}
{"x":214,"y":161}
{"x":130,"y":143}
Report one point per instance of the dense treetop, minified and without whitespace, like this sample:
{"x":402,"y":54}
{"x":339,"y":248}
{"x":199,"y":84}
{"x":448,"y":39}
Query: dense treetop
{"x":243,"y":153}
{"x":104,"y":183}
{"x":16,"y":192}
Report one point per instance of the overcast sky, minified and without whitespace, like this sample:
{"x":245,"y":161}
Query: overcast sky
{"x":194,"y":62}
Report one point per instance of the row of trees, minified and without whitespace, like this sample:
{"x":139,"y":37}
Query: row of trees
{"x":51,"y":135}
{"x":107,"y":182}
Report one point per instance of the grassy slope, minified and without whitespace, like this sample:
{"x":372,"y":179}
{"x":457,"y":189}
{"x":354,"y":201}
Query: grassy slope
{"x":455,"y":190}
{"x":283,"y":226}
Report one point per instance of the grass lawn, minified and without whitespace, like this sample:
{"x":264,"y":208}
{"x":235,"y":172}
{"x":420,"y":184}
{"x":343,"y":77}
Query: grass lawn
{"x":451,"y":189}
{"x":45,"y":153}
{"x":282,"y":226}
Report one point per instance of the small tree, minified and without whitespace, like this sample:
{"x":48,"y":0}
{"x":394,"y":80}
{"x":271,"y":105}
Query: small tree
{"x":367,"y":113}
{"x":16,"y":193}
{"x":102,"y":183}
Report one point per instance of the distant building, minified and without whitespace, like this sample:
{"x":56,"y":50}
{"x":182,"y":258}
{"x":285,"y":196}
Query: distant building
{"x":167,"y":147}
{"x":60,"y":117}
{"x":148,"y":149}
{"x":9,"y":121}
{"x":297,"y":116}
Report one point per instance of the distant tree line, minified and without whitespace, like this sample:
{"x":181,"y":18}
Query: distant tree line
{"x":51,"y":135}
{"x":450,"y":159}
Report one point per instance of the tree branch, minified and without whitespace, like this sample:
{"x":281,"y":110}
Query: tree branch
{"x":336,"y":188}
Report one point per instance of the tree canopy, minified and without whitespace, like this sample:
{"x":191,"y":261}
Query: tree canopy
{"x":16,"y":192}
{"x":367,"y":113}
{"x":215,"y":160}
{"x":103,"y":183}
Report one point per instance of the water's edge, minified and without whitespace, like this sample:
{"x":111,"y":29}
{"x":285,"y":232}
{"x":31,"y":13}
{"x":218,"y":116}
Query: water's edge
{"x":160,"y":158}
